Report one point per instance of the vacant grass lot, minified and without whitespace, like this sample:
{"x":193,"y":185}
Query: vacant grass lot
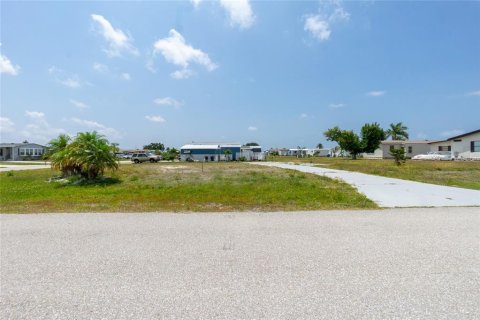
{"x":464,"y":174}
{"x":179,"y":187}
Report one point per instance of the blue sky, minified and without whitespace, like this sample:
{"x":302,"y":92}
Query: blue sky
{"x":279,"y":73}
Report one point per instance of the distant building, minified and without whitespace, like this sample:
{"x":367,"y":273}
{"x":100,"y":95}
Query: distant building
{"x":217,"y":151}
{"x":21,"y":151}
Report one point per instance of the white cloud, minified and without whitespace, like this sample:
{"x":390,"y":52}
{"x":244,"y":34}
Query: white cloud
{"x":320,"y":24}
{"x":100,"y":67}
{"x":167,"y":101}
{"x":252,"y":128}
{"x":6,"y":66}
{"x":336,"y":105}
{"x":79,"y":104}
{"x":319,"y":28}
{"x":126,"y":76}
{"x":117,"y":40}
{"x":474,"y":93}
{"x":182,"y":74}
{"x":376,"y":93}
{"x":158,"y":119}
{"x":176,"y":51}
{"x":6,"y":125}
{"x":110,"y":133}
{"x":240,"y":12}
{"x":40,"y":130}
{"x":303,"y":116}
{"x":196,"y":3}
{"x":452,"y":133}
{"x":66,"y":79}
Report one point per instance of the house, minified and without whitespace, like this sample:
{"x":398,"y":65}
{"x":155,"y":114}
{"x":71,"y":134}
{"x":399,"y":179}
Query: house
{"x":283,"y":152}
{"x":210,"y":151}
{"x":21,"y":151}
{"x":463,"y":146}
{"x":412,"y":148}
{"x":251,"y":153}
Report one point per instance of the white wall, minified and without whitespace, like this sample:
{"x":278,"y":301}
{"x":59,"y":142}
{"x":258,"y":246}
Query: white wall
{"x":461,"y":149}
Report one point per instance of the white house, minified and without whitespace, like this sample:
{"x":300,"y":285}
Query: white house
{"x":464,"y":146}
{"x":412,"y":147}
{"x":21,"y":151}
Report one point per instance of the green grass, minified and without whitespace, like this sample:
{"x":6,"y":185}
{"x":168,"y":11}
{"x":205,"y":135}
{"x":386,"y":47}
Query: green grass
{"x":464,"y":174}
{"x":179,"y":187}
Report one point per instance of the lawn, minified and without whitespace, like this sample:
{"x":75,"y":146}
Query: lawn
{"x":464,"y":174}
{"x":179,"y":187}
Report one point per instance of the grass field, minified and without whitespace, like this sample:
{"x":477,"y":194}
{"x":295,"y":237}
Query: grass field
{"x":464,"y":174}
{"x":179,"y":187}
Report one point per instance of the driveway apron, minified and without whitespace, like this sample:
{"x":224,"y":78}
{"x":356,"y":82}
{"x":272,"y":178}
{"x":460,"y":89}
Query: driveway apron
{"x":390,"y":192}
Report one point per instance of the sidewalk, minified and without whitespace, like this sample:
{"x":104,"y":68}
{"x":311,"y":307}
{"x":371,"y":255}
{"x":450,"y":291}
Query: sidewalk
{"x":390,"y":192}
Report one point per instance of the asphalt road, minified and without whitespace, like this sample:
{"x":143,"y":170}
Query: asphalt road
{"x":396,"y":263}
{"x":390,"y":192}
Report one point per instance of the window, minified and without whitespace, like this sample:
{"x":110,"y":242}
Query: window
{"x":475,"y":146}
{"x":444,"y":148}
{"x":410,"y":149}
{"x":392,"y":148}
{"x":30,"y":151}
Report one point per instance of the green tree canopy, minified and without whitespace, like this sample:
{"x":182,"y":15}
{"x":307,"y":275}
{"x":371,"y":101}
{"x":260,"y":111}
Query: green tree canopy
{"x":319,"y":146}
{"x":251,"y":144}
{"x":397,"y":131}
{"x":154,"y":146}
{"x":371,"y":136}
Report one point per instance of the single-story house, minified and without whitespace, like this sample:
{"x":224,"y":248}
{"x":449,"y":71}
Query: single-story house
{"x":412,"y":148}
{"x":210,"y":151}
{"x":21,"y":151}
{"x":463,"y":146}
{"x":251,"y":153}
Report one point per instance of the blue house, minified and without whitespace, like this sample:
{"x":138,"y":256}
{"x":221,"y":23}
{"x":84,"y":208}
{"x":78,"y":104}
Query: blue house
{"x":209,"y":151}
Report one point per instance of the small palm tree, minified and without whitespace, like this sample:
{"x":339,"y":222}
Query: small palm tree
{"x":227,"y":153}
{"x":397,"y":131}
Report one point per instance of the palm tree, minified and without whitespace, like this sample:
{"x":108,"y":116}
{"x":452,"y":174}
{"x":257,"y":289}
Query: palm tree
{"x":397,"y":131}
{"x":93,"y":154}
{"x":227,"y":153}
{"x":319,"y":146}
{"x":56,"y":145}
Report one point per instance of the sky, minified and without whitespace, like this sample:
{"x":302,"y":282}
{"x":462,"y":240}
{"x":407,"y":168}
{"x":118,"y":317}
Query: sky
{"x":278,"y":73}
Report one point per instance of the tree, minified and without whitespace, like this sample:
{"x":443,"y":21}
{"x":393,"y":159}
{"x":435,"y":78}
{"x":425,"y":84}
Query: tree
{"x":252,"y":144}
{"x":398,"y":155}
{"x":170,"y":154}
{"x":371,"y":135}
{"x":319,"y":146}
{"x":154,"y":146}
{"x":397,"y":131}
{"x":88,"y":155}
{"x":227,"y":153}
{"x":56,"y":145}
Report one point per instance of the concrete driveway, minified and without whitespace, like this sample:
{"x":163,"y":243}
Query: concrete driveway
{"x":389,"y":264}
{"x":12,"y":167}
{"x":390,"y":192}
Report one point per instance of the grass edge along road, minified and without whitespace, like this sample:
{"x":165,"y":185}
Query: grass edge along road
{"x":463,"y":174}
{"x":179,"y":187}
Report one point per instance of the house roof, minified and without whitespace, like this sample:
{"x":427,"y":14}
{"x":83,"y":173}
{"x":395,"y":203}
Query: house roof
{"x":201,"y":146}
{"x":13,"y":145}
{"x":464,"y":135}
{"x":406,"y":141}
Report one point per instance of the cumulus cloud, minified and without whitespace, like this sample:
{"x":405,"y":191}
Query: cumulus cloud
{"x":336,"y":105}
{"x":126,"y":76}
{"x":6,"y":66}
{"x":109,"y":132}
{"x":376,"y":93}
{"x":474,"y":93}
{"x":182,"y":74}
{"x":252,"y":128}
{"x":39,"y":128}
{"x":196,"y":3}
{"x":6,"y":125}
{"x":118,"y":41}
{"x":100,"y":67}
{"x":320,"y":25}
{"x":65,"y":78}
{"x":176,"y":51}
{"x":167,"y":101}
{"x":79,"y":104}
{"x":158,"y":119}
{"x":452,"y":133}
{"x":239,"y":12}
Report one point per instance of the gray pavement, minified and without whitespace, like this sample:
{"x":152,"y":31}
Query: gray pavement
{"x":390,"y":192}
{"x":390,"y":264}
{"x":13,"y":167}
